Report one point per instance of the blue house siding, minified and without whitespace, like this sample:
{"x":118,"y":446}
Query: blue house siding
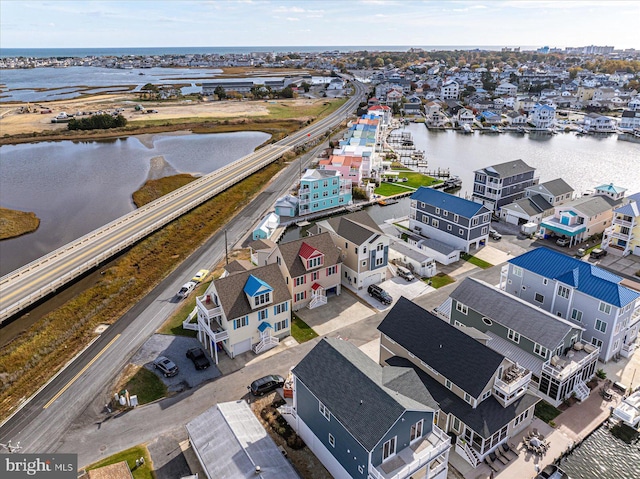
{"x":308,"y":410}
{"x":402,"y":431}
{"x":373,"y":255}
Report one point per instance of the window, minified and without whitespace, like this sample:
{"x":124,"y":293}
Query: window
{"x":332,"y":270}
{"x":485,"y":230}
{"x":389,"y":448}
{"x":540,"y":350}
{"x":474,"y":221}
{"x":314,"y":276}
{"x":563,"y":291}
{"x":300,"y":280}
{"x":604,"y":308}
{"x":447,"y":384}
{"x":332,"y":440}
{"x":487,"y":321}
{"x":448,"y":227}
{"x":456,"y":218}
{"x":601,"y":326}
{"x":517,"y":271}
{"x":539,"y":298}
{"x":437,"y":211}
{"x":324,"y":411}
{"x":576,"y":315}
{"x":422,"y":205}
{"x":416,"y":430}
{"x":456,"y":424}
{"x":280,"y":325}
{"x":462,"y":308}
{"x":545,"y":281}
{"x":300,"y":296}
{"x":616,"y":344}
{"x":435,"y":223}
{"x":281,"y":308}
{"x":486,"y":395}
{"x":445,"y":213}
{"x":513,"y":336}
{"x":596,"y":342}
{"x":241,"y":322}
{"x":263,"y":314}
{"x":467,"y":397}
{"x":425,"y":219}
{"x":262,"y":299}
{"x":361,"y":469}
{"x":313,"y":262}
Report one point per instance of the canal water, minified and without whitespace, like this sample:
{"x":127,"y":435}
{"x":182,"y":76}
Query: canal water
{"x":75,"y":187}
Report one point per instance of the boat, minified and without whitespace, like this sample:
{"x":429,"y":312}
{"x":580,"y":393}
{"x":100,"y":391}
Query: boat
{"x":466,"y":128}
{"x":451,"y":183}
{"x":552,"y":472}
{"x":387,"y":202}
{"x":628,"y":411}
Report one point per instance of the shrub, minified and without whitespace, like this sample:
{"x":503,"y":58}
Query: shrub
{"x":601,"y":374}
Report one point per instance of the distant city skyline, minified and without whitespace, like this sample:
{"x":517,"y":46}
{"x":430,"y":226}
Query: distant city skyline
{"x":228,"y":23}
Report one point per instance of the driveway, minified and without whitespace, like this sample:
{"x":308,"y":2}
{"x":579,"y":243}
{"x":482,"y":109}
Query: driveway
{"x":175,"y":348}
{"x":340,"y":311}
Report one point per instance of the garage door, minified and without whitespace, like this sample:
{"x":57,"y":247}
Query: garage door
{"x":373,"y":279}
{"x":242,"y":347}
{"x":636,"y":250}
{"x":511,"y":219}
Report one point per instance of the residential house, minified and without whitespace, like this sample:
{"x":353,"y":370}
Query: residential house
{"x":547,"y":345}
{"x":506,"y":89}
{"x":417,"y":261}
{"x":311,"y":267}
{"x":525,"y":104}
{"x":630,"y":120}
{"x":465,"y":117}
{"x":208,"y":89}
{"x":443,"y":253}
{"x":434,"y":116}
{"x":266,"y":227}
{"x":449,"y":91}
{"x":232,"y":427}
{"x":412,"y":108}
{"x":287,"y":206}
{"x":634,"y":103}
{"x":584,"y":95}
{"x":350,"y":167}
{"x":245,"y":311}
{"x":482,"y":395}
{"x":364,"y":248}
{"x":363,"y":420}
{"x":515,"y":118}
{"x":538,"y":202}
{"x":583,"y":217}
{"x":456,"y":221}
{"x":543,"y":116}
{"x":382,"y":111}
{"x":596,"y":123}
{"x":499,"y":185}
{"x":322,"y":190}
{"x":576,"y":290}
{"x":623,"y":236}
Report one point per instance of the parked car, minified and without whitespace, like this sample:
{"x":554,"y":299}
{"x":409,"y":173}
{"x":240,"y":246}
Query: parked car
{"x":186,"y":289}
{"x":166,"y":366}
{"x":495,"y":235}
{"x":261,"y":386}
{"x":200,"y":276}
{"x":581,"y":252}
{"x":380,"y":294}
{"x":598,"y":253}
{"x":563,"y":241}
{"x":405,"y":273}
{"x":198,"y":357}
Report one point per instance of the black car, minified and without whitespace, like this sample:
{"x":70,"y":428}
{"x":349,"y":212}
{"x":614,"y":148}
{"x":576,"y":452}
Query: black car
{"x":380,"y":294}
{"x":166,"y":366}
{"x":598,"y":253}
{"x":261,"y":386}
{"x":198,"y":357}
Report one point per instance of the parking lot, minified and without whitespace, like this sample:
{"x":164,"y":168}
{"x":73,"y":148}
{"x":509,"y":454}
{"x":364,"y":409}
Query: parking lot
{"x":175,"y":348}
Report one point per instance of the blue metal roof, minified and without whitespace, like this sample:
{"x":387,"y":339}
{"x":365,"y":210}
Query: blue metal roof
{"x":585,"y":277}
{"x":264,"y":325}
{"x":255,"y":286}
{"x":611,"y":188}
{"x":445,"y":201}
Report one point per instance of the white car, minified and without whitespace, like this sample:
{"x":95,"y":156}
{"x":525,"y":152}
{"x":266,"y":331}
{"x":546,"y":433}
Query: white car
{"x":186,"y":289}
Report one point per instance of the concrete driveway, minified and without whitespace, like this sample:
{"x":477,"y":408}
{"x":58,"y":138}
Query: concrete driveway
{"x":340,"y":311}
{"x":175,"y":348}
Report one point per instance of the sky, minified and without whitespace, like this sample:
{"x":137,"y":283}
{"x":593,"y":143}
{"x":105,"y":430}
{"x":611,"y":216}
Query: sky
{"x":222,"y":23}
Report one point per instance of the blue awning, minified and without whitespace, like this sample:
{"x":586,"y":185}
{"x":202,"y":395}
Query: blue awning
{"x":562,"y":231}
{"x":263,"y":326}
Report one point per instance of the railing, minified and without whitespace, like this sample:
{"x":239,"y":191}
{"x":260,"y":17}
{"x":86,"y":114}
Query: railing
{"x":211,"y":309}
{"x":573,"y":366}
{"x":187,"y":324}
{"x":581,"y":390}
{"x":469,"y":453}
{"x":317,"y":301}
{"x":621,"y":222}
{"x":509,"y":388}
{"x":267,"y":342}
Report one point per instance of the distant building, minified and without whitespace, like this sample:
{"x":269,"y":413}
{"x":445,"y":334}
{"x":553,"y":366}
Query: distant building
{"x":623,"y":236}
{"x":322,"y":190}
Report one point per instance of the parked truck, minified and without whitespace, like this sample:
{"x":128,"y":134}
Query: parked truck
{"x":529,"y":229}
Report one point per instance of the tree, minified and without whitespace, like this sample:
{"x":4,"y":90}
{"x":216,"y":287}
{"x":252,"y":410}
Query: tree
{"x":305,"y":86}
{"x":148,"y":90}
{"x":287,"y":92}
{"x":220,"y":93}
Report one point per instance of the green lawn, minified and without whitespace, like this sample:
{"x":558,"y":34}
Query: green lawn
{"x":174,"y":324}
{"x":414,"y":181}
{"x":480,"y":263}
{"x":546,"y":411}
{"x":130,"y":455}
{"x":390,"y":189}
{"x":300,"y":330}
{"x":147,"y":386}
{"x":440,"y":280}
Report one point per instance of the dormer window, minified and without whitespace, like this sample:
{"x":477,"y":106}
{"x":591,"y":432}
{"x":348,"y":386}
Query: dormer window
{"x":311,"y":258}
{"x":258,"y":292}
{"x":261,"y":299}
{"x":315,"y":262}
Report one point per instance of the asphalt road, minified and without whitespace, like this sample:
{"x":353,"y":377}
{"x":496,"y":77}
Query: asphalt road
{"x":78,"y":390}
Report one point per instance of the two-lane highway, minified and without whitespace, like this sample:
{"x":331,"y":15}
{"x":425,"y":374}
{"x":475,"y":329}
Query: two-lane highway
{"x":24,"y":286}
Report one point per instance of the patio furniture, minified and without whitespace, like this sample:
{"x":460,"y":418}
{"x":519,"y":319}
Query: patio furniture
{"x":578,"y":346}
{"x":506,"y":450}
{"x":541,"y":437}
{"x":501,"y":457}
{"x":491,"y":464}
{"x":535,"y":432}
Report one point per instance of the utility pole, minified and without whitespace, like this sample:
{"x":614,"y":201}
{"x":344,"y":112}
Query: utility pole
{"x":226,"y":248}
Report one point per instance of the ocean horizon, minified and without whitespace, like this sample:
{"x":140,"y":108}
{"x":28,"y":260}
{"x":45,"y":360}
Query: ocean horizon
{"x":147,"y":51}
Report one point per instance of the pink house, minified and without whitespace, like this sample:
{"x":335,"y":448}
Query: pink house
{"x":349,"y":167}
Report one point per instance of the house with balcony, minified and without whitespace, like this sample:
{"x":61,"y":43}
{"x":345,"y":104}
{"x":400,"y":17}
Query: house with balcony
{"x":542,"y":116}
{"x":623,"y":236}
{"x":450,"y":91}
{"x":245,"y":311}
{"x":322,"y":190}
{"x":586,"y":295}
{"x":450,"y":219}
{"x":506,"y":89}
{"x":597,"y":123}
{"x":364,"y":248}
{"x":537,"y":203}
{"x":583,"y":217}
{"x":465,"y":116}
{"x":350,"y":167}
{"x":499,"y":185}
{"x":311,"y":267}
{"x":630,"y":120}
{"x":363,"y":420}
{"x":482,"y":395}
{"x":516,"y":119}
{"x":550,"y":347}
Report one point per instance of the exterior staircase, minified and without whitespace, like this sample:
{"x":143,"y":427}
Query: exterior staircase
{"x":581,"y":390}
{"x":266,"y":343}
{"x":318,"y":300}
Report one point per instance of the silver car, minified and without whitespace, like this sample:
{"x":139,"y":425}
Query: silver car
{"x":166,"y":366}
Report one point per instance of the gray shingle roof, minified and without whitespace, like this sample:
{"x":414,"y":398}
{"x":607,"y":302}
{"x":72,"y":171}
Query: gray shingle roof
{"x":511,"y":312}
{"x":232,"y":297}
{"x":442,"y":346}
{"x":593,"y":205}
{"x":509,"y":168}
{"x":366,"y":398}
{"x":356,"y":227}
{"x":556,"y":187}
{"x":321,"y":242}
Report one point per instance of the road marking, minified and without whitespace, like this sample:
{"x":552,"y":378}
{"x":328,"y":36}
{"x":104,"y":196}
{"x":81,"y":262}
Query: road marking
{"x":95,"y":358}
